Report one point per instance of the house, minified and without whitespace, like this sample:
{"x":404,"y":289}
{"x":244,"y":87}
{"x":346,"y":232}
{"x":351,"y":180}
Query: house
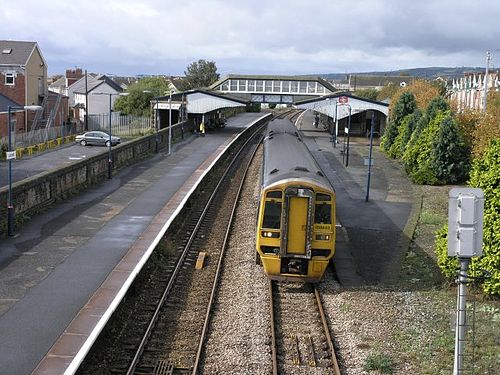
{"x":62,"y":84}
{"x":23,"y":80}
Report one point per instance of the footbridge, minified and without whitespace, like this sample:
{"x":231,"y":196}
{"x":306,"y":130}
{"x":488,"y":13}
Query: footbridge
{"x":273,"y":89}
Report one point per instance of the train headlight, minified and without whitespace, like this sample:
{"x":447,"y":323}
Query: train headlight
{"x":323,"y":237}
{"x":270,"y":234}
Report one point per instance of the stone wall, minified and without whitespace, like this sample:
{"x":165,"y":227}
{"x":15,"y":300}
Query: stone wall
{"x":37,"y":193}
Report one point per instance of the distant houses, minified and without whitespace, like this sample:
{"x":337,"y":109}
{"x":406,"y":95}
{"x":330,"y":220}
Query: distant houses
{"x":354,"y":82}
{"x":468,"y":91}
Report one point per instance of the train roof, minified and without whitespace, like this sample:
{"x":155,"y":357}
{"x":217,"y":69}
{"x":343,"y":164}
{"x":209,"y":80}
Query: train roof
{"x":286,"y":157}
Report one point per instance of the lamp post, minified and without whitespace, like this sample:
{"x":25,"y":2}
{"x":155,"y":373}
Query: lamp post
{"x":110,"y":159}
{"x":347,"y":130}
{"x":485,"y":81}
{"x":170,"y":123}
{"x":372,"y":125}
{"x":156,"y":118}
{"x":157,"y":127}
{"x":12,"y":155}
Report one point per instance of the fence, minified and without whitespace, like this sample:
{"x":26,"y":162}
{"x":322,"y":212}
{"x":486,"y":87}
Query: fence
{"x":39,"y":136}
{"x":128,"y":125}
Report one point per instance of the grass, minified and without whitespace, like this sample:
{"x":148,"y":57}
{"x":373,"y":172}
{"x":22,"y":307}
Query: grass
{"x":430,"y":218}
{"x":379,"y":362}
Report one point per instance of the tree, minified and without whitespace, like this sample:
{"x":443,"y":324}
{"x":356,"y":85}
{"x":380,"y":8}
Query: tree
{"x":404,"y":106}
{"x":140,"y":94}
{"x":387,"y":91}
{"x":424,"y":92}
{"x":367,"y":93}
{"x":487,"y":127}
{"x":405,"y":131}
{"x":200,"y":74}
{"x":450,"y":154}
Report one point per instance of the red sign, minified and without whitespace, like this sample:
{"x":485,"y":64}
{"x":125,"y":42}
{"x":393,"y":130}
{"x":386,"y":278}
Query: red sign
{"x":343,"y":99}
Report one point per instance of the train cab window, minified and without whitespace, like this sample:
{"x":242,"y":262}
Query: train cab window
{"x":272,"y":210}
{"x":274,"y":194}
{"x":323,"y":209}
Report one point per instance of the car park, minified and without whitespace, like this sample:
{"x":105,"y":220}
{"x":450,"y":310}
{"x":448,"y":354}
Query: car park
{"x":97,"y":138}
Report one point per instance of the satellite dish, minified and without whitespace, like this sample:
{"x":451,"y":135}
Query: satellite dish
{"x":402,"y":84}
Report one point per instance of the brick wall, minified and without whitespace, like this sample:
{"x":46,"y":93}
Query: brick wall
{"x":16,"y":92}
{"x":18,"y":117}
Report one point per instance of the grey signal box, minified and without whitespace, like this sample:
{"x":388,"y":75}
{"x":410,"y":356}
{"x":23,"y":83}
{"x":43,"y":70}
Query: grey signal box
{"x":465,"y":222}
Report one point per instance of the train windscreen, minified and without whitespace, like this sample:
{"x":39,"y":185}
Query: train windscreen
{"x":272,"y":210}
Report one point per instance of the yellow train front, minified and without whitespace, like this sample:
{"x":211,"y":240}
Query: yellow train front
{"x":296,"y":220}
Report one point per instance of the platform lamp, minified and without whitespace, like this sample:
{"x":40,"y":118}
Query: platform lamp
{"x":12,"y":155}
{"x":110,"y":159}
{"x":156,"y":118}
{"x":170,"y":122}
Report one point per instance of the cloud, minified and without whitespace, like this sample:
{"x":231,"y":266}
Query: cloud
{"x":275,"y":37}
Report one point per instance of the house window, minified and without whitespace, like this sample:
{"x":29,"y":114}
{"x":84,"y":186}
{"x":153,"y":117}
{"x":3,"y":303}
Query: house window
{"x":9,"y":79}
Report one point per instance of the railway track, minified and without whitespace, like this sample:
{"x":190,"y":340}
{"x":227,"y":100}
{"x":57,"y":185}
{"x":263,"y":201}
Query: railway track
{"x":290,"y":114}
{"x":182,"y":354}
{"x":166,"y":329}
{"x":301,"y":341}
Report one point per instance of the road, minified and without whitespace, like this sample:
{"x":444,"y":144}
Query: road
{"x":51,"y":159}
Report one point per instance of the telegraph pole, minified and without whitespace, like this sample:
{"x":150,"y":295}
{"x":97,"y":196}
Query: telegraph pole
{"x":485,"y":81}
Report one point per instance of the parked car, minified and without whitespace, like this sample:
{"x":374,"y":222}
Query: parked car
{"x":96,"y":138}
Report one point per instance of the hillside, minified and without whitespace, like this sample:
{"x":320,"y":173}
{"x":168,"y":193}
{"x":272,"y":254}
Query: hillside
{"x":429,"y":73}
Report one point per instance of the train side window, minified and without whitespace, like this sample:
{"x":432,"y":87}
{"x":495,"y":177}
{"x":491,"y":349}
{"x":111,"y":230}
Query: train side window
{"x":323,"y":213}
{"x":272,"y":215}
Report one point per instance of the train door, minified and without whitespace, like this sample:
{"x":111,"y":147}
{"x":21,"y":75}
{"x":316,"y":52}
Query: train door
{"x":297,"y":223}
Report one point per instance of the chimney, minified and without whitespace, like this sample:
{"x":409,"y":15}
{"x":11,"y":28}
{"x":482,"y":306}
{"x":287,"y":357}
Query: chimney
{"x":73,"y":75}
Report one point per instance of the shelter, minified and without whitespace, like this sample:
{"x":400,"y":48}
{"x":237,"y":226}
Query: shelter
{"x":198,"y":105}
{"x":336,"y":109}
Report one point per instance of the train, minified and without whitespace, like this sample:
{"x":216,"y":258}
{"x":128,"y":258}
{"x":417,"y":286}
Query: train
{"x":295,"y":235}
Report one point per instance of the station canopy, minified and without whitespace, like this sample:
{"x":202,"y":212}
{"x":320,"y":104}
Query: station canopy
{"x":198,"y":101}
{"x":338,"y":105}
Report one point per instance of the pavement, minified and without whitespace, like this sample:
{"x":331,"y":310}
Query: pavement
{"x":374,"y":234}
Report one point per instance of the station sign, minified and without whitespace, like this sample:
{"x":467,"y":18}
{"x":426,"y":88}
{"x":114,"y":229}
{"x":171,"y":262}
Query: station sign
{"x":343,"y":99}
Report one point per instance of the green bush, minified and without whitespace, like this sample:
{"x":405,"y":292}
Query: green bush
{"x":418,"y":158}
{"x":405,"y":105}
{"x":450,"y":153}
{"x":485,"y":174}
{"x":447,"y":264}
{"x":437,"y":104}
{"x":411,"y":125}
{"x":390,"y":134}
{"x":395,"y":149}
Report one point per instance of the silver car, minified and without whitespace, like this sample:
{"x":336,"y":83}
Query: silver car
{"x":97,"y":138}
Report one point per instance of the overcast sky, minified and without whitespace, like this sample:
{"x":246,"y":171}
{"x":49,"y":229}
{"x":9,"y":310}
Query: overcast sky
{"x":127,"y":37}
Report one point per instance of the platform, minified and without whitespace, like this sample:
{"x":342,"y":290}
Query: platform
{"x":76,"y":259}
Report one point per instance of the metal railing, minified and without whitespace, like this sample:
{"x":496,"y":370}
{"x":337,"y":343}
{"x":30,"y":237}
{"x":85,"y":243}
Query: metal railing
{"x":121,"y":125}
{"x":35,"y":137}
